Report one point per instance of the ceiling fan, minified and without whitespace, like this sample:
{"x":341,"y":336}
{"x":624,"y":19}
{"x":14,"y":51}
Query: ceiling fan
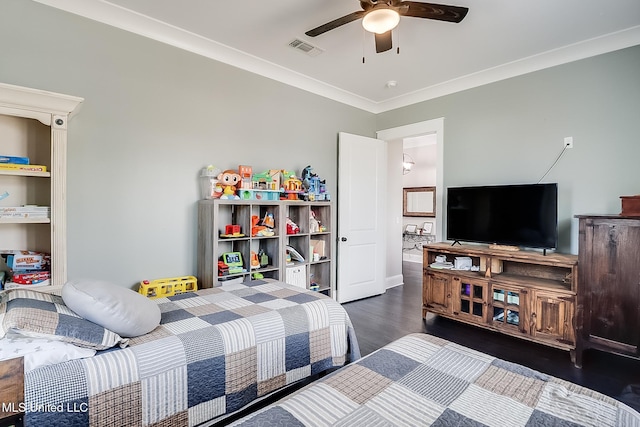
{"x":382,"y":16}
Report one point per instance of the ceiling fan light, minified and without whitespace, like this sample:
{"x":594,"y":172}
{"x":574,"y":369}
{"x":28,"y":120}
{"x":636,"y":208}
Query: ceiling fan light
{"x":380,"y":21}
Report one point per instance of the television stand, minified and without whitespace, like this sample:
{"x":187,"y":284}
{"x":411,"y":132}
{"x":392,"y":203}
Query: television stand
{"x":523,"y":293}
{"x":497,"y":247}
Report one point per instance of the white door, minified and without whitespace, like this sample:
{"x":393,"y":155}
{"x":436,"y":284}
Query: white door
{"x":362,"y":171}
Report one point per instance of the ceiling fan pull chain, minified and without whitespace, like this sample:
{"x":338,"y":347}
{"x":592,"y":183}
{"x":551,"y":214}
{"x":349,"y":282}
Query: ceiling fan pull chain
{"x":364,"y":34}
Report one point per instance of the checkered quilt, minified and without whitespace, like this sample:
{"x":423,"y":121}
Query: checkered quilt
{"x":215,"y":351}
{"x":421,"y":380}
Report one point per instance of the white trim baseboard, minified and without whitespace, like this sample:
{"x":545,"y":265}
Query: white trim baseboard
{"x":412,"y":257}
{"x":393,"y":281}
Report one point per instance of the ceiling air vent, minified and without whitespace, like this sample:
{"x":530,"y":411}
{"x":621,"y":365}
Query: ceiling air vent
{"x":305,"y":47}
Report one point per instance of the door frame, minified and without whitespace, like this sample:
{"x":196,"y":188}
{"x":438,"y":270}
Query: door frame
{"x":395,"y":136}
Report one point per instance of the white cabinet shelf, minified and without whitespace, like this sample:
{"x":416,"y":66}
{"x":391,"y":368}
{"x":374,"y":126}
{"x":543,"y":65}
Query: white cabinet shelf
{"x":26,"y":173}
{"x":33,"y":123}
{"x":25,"y":220}
{"x":215,"y":215}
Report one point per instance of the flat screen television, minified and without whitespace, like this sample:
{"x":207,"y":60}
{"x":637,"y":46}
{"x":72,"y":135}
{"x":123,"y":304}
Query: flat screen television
{"x":523,"y":215}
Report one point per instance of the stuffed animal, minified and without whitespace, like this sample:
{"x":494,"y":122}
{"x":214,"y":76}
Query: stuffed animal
{"x":228,"y":180}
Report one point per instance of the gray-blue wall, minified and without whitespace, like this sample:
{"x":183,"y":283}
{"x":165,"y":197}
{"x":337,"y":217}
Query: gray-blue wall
{"x":153,"y":116}
{"x":513,"y":130}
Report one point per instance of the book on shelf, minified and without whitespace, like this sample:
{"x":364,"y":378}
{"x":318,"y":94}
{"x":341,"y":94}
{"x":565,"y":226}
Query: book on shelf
{"x":14,"y":285}
{"x":442,"y":265}
{"x":18,"y":160}
{"x":15,"y":260}
{"x":25,"y":209}
{"x":24,"y":168}
{"x":29,"y":277}
{"x":24,"y":215}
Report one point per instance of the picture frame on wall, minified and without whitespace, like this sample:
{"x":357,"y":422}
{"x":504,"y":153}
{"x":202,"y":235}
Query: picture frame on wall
{"x":419,"y":201}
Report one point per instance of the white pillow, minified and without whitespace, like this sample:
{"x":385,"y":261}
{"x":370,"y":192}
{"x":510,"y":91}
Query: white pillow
{"x":121,"y":310}
{"x":40,"y":351}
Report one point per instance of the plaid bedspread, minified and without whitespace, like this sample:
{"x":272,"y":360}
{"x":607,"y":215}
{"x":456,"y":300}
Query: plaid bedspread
{"x":421,"y":380}
{"x":215,"y":351}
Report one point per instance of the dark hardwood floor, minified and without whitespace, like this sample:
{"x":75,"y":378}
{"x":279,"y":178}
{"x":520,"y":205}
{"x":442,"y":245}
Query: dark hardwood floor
{"x":382,"y":319}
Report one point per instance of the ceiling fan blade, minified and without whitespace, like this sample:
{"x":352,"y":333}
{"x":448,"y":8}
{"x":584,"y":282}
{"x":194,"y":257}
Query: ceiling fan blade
{"x":441,"y":12}
{"x":335,"y":23}
{"x":383,"y":42}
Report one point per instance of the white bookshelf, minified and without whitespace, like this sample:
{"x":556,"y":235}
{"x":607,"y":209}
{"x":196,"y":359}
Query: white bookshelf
{"x":33,"y":123}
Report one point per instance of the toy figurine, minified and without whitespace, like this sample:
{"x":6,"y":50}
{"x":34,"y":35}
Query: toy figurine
{"x":267,"y":180}
{"x":255,"y":262}
{"x":218,"y":191}
{"x":228,"y":180}
{"x":314,"y":188}
{"x":291,"y":185}
{"x":245,"y":173}
{"x":306,"y":175}
{"x":260,"y":230}
{"x":268,"y":220}
{"x":292,"y":227}
{"x":314,"y":224}
{"x":264,"y":259}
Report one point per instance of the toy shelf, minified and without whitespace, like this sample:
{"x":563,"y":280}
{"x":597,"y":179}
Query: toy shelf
{"x":310,"y":232}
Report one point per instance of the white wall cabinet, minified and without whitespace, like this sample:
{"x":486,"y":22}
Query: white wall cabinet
{"x":215,"y":215}
{"x":33,"y":123}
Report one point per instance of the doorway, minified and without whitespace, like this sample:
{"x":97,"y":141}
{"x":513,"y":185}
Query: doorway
{"x":420,"y":153}
{"x":395,"y":138}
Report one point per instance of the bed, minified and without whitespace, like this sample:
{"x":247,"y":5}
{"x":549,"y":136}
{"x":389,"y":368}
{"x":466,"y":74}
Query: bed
{"x":214,"y":352}
{"x":422,"y":380}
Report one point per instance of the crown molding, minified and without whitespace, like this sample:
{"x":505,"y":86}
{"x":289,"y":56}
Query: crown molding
{"x":125,"y":19}
{"x":134,"y":22}
{"x":563,"y":55}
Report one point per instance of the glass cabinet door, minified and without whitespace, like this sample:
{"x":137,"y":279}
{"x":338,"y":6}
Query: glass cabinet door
{"x":506,"y":307}
{"x":470,"y":298}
